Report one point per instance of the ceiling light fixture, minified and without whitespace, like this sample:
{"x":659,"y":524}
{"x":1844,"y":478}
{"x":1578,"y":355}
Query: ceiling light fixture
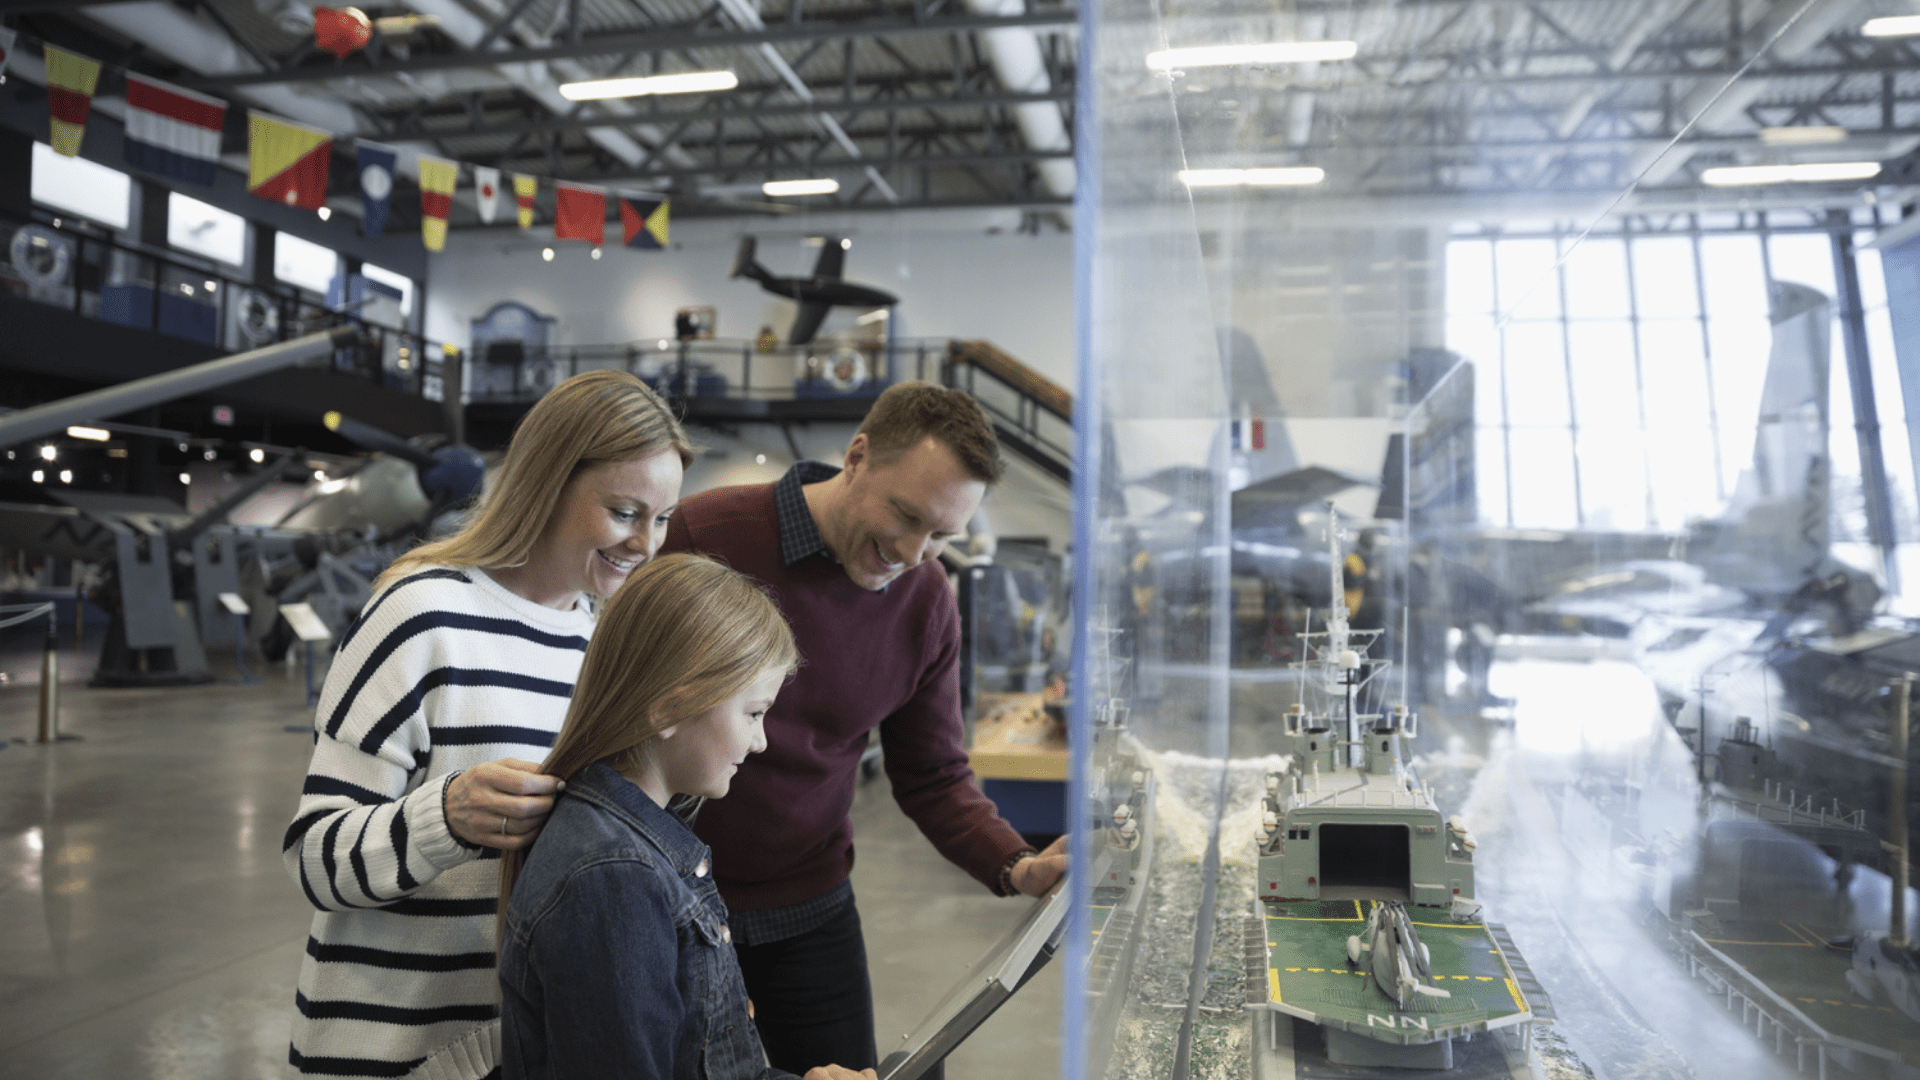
{"x":685,"y":82}
{"x":1295,"y":176}
{"x":326,"y":212}
{"x":1278,"y":52}
{"x":1803,"y":135}
{"x":1811,"y":173}
{"x":258,"y":455}
{"x":94,"y":433}
{"x":1892,"y":26}
{"x":800,"y":187}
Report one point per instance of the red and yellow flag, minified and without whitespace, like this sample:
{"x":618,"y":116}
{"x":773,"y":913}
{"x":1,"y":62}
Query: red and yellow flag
{"x":437,"y":180}
{"x":286,"y":162}
{"x":523,"y":187}
{"x":71,"y":80}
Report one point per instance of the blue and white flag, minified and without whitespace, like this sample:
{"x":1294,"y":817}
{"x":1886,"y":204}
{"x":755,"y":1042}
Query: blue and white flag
{"x":376,"y":185}
{"x":173,"y":132}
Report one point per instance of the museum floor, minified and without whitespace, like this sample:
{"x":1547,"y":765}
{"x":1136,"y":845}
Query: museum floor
{"x":148,"y":930}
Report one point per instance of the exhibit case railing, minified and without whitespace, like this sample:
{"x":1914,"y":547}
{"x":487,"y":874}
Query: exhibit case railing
{"x":1492,"y":495}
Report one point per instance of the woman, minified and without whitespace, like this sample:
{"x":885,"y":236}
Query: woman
{"x":453,"y":680}
{"x":615,"y":958}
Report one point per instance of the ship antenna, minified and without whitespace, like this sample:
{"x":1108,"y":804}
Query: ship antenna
{"x":1403,"y":658}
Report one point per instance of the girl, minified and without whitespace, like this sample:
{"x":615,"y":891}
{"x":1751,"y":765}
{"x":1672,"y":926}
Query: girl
{"x":615,"y":957}
{"x":457,"y":671}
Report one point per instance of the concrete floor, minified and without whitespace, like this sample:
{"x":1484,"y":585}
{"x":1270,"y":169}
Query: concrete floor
{"x":148,"y":929}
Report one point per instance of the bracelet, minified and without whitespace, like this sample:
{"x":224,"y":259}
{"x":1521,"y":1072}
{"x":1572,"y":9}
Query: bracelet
{"x":1006,"y":870}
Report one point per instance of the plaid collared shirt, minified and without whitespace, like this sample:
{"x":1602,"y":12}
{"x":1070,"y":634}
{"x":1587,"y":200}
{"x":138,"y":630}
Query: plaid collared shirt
{"x":799,"y":538}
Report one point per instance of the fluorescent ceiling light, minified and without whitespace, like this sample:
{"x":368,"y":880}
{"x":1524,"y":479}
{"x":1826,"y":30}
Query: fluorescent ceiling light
{"x":1278,"y":52}
{"x":1892,"y":26}
{"x":800,"y":187}
{"x":94,"y":433}
{"x":686,"y":82}
{"x":1290,"y":177}
{"x":1803,"y":135}
{"x":1790,"y":174}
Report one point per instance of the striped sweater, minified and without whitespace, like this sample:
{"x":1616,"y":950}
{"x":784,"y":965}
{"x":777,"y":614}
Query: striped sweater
{"x":443,"y":670}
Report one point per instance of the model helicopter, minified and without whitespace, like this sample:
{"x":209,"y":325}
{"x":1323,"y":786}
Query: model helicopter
{"x":817,"y":294}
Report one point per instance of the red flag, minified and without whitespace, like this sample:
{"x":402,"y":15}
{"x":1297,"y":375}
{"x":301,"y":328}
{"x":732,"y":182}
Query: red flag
{"x":579,"y":213}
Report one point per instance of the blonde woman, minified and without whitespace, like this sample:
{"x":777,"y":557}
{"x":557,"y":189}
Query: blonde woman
{"x":453,"y":680}
{"x":614,"y":954}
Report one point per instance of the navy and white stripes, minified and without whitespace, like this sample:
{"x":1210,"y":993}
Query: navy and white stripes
{"x":443,"y":671}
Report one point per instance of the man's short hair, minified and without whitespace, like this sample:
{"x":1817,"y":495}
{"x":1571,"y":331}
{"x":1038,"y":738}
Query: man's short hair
{"x":908,"y":412}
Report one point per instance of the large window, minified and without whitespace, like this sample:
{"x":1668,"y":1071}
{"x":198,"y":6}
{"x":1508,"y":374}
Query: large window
{"x":1619,"y":379}
{"x":82,"y":187}
{"x":304,"y":263}
{"x":399,"y":281}
{"x":206,"y":230}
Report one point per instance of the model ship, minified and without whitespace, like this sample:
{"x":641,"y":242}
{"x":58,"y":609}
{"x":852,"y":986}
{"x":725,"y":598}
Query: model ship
{"x":1365,"y":890}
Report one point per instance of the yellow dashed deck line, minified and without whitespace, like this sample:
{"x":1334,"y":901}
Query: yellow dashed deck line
{"x":1781,"y":944}
{"x":1273,"y":984}
{"x":1796,"y":933}
{"x":1518,"y":1001}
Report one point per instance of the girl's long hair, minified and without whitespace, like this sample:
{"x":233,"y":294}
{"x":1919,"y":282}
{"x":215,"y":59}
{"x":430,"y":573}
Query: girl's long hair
{"x":591,"y":419}
{"x":682,"y":635}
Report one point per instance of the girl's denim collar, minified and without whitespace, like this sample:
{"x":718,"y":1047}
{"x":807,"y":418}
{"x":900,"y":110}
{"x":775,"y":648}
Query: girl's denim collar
{"x":600,"y":785}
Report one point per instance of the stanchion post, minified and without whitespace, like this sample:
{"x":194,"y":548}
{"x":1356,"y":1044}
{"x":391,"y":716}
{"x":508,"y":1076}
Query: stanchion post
{"x":50,"y":680}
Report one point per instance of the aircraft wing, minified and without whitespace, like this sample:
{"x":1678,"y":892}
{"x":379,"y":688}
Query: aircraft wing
{"x":807,"y":322}
{"x":832,"y":259}
{"x":62,"y":532}
{"x":1274,"y":502}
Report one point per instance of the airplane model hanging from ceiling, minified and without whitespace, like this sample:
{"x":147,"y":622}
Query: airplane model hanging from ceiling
{"x":816,"y":295}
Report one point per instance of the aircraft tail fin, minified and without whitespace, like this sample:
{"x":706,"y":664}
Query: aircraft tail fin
{"x":744,"y":263}
{"x":832,"y":260}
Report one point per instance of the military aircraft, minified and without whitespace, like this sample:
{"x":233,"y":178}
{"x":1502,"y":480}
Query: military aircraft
{"x":817,"y":294}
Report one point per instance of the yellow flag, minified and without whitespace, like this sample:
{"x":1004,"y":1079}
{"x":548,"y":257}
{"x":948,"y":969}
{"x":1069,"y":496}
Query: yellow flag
{"x":437,"y":179}
{"x":71,"y":80}
{"x":287,"y":163}
{"x":523,"y":197}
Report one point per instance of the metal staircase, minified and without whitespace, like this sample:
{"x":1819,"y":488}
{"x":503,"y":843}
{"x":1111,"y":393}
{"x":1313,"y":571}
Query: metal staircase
{"x":1030,"y":413}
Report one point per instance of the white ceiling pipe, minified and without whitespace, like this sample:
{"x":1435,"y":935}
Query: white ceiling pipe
{"x":747,"y":17}
{"x":1653,"y":17}
{"x":1015,"y":55}
{"x":1801,"y":36}
{"x":1300,"y":105}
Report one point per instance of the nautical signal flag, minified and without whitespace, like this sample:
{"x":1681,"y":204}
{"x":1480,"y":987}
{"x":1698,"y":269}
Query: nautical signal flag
{"x":71,"y":80}
{"x":643,"y":220}
{"x":173,"y":132}
{"x":286,"y":162}
{"x":579,"y":213}
{"x":376,"y":185}
{"x":523,"y":188}
{"x":437,"y":180}
{"x":486,"y":192}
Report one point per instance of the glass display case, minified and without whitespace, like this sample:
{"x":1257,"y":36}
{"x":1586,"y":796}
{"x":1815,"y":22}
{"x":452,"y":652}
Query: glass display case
{"x":1490,"y":655}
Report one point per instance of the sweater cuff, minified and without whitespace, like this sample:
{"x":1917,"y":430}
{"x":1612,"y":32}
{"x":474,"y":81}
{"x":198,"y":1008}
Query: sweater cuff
{"x":427,"y":827}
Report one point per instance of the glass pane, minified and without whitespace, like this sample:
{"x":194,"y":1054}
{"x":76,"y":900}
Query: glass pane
{"x":1605,"y":379}
{"x":1529,"y":288}
{"x":1536,"y":373}
{"x":1543,"y":478}
{"x":1469,"y":277}
{"x":1663,"y":284}
{"x":1596,"y":273}
{"x":82,"y":187}
{"x":1613,"y":477}
{"x":206,"y":230}
{"x":1735,"y":280}
{"x":1674,"y":373}
{"x":1803,"y":257}
{"x":304,"y":263}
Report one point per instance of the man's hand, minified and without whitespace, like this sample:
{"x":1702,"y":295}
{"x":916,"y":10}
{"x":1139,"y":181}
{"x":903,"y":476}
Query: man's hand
{"x":835,"y":1072}
{"x":1039,"y":875}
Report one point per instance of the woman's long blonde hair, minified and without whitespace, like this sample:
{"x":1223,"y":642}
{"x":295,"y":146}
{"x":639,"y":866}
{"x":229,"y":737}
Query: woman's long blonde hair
{"x":591,"y":419}
{"x":682,"y":635}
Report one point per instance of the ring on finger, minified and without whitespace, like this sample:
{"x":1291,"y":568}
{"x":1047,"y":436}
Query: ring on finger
{"x":503,"y":824}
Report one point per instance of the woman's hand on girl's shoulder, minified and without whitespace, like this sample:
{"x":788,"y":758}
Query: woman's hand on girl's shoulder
{"x":501,"y":804}
{"x":835,"y":1072}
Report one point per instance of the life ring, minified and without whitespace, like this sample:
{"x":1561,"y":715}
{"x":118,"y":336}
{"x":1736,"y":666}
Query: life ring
{"x":41,"y":255}
{"x":845,"y":368}
{"x":259,"y":317}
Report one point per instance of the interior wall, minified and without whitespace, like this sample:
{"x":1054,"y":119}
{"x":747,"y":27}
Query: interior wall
{"x":958,"y":274}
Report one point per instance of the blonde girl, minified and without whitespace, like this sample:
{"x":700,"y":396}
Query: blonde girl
{"x":615,"y":957}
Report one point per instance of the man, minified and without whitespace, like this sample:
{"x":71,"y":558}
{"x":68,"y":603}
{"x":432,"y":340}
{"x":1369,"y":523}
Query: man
{"x":850,"y":555}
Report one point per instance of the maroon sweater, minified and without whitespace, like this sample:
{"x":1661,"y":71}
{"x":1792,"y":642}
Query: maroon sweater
{"x":887,"y":659}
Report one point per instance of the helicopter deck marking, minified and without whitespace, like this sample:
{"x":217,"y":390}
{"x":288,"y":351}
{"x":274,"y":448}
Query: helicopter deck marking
{"x":1464,"y":958}
{"x":1100,"y":914}
{"x":1815,"y":979}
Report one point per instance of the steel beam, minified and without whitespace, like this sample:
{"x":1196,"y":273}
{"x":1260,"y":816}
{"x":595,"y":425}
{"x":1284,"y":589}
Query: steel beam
{"x":682,"y":37}
{"x":818,"y":166}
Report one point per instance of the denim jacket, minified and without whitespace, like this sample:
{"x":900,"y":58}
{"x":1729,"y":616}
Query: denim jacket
{"x":615,"y":958}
